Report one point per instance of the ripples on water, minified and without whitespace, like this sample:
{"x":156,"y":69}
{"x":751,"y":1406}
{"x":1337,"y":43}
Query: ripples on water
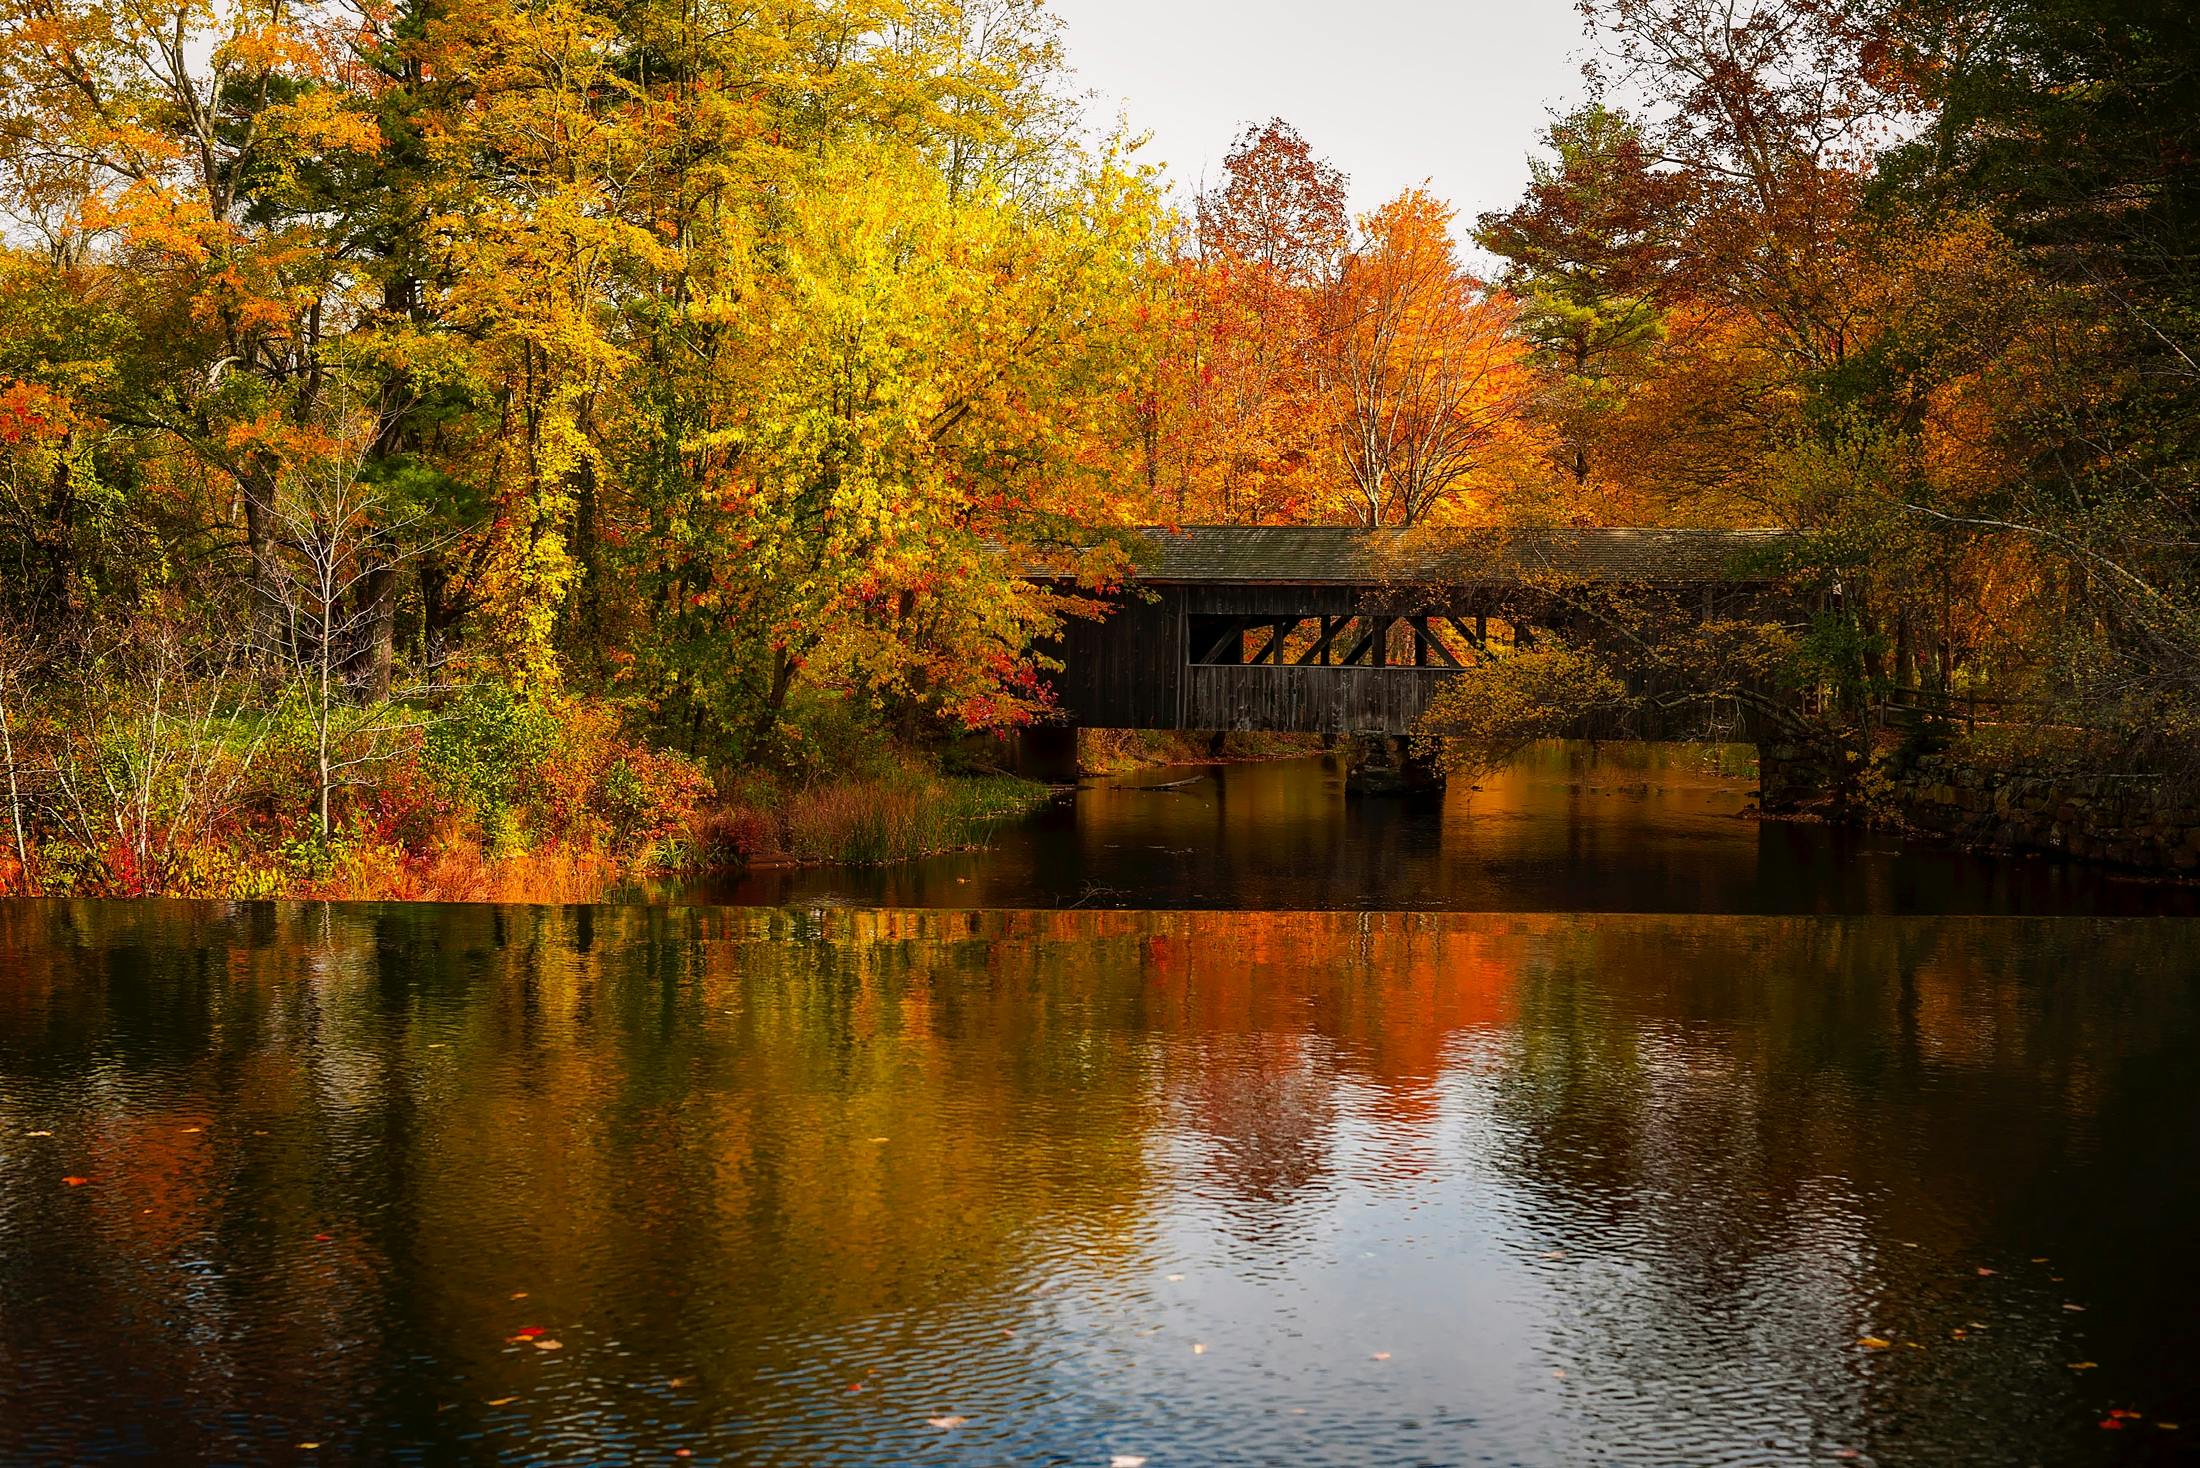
{"x":1202,"y":1188}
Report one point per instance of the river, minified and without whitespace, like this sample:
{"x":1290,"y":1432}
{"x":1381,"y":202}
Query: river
{"x":1564,"y":828}
{"x":1223,"y":1125}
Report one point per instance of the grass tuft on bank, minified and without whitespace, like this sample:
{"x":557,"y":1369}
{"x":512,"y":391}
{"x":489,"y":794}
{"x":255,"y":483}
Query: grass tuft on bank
{"x":874,"y":822}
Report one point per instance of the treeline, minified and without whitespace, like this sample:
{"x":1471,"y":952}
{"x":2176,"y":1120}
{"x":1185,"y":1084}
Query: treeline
{"x":376,"y":382}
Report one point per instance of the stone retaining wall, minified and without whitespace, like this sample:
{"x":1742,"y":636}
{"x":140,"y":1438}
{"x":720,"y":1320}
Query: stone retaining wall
{"x":2134,"y":821}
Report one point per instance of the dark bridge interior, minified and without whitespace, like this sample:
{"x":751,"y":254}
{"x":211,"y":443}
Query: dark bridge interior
{"x":1322,"y":629}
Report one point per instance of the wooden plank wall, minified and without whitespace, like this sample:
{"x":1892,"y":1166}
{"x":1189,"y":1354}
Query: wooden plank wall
{"x":1126,"y":672}
{"x":1311,"y":700}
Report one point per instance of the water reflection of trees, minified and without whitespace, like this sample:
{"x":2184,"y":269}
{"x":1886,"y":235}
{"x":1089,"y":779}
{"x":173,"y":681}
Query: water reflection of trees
{"x":1817,"y":1130}
{"x":765,"y":1153}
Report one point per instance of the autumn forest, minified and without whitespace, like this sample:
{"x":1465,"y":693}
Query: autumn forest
{"x":484,"y":447}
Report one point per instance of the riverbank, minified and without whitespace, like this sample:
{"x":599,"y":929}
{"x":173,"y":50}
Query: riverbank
{"x":1999,"y":790}
{"x":1120,"y":751}
{"x":905,"y":816}
{"x":2024,"y":800}
{"x":488,"y":798}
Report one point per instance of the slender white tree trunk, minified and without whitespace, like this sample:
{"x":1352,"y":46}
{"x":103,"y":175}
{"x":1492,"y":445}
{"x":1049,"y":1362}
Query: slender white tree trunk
{"x":15,"y":798}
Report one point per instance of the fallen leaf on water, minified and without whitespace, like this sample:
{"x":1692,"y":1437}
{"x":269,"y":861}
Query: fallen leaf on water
{"x":855,"y":1386}
{"x":324,"y":1238}
{"x":2041,"y":1260}
{"x":2078,"y":1308}
{"x":1381,"y":1356}
{"x":500,"y":1401}
{"x":547,"y":1344}
{"x":945,"y":1424}
{"x":2111,"y":1423}
{"x":1554,"y":1254}
{"x":882,"y":1139}
{"x":309,"y":1447}
{"x":677,"y":1382}
{"x":528,"y":1332}
{"x":2126,"y":1413}
{"x":2084,"y":1365}
{"x":76,"y":1182}
{"x":38,"y":1134}
{"x":2167,"y":1426}
{"x":519,"y":1294}
{"x":1874,"y":1342}
{"x":1558,"y":1374}
{"x":1983,"y":1271}
{"x":683,"y":1452}
{"x":1958,"y":1333}
{"x":189,"y":1129}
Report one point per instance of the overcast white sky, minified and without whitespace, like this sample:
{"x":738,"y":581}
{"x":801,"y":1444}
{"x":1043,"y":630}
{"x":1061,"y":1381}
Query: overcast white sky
{"x":1394,"y":92}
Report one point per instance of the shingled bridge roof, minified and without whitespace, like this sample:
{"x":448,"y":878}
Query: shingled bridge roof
{"x":1332,"y":555}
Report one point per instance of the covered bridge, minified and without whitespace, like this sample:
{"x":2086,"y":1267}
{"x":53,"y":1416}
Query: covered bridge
{"x":1325,"y":629}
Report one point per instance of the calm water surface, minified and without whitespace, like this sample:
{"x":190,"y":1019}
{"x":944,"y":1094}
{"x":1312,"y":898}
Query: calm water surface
{"x":1566,"y":828}
{"x":1656,"y":1136}
{"x":856,"y":1187}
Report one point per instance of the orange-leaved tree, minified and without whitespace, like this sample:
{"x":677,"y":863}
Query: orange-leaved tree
{"x":1423,"y":377}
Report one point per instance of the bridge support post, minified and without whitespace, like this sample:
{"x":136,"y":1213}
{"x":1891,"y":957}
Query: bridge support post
{"x":1386,"y":764}
{"x":1048,"y":753}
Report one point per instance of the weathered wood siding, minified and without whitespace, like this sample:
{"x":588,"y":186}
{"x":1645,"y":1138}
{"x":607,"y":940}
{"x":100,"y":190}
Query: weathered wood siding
{"x":1276,"y":601}
{"x":1312,"y":700}
{"x":1125,"y":672}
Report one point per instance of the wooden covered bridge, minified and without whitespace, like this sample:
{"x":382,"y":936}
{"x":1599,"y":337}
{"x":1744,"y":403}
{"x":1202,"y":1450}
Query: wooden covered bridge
{"x":1323,"y":629}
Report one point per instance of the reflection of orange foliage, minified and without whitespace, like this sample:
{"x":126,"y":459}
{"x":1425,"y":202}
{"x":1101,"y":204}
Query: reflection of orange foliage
{"x":1390,"y":991}
{"x":159,"y":1164}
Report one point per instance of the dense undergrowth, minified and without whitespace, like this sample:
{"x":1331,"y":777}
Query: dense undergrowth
{"x":482,"y":796}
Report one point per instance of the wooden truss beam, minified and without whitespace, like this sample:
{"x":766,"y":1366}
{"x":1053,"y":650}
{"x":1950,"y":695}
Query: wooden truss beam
{"x":1427,"y":644}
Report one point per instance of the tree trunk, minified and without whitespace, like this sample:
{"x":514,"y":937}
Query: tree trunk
{"x":15,"y":799}
{"x":57,"y":598}
{"x":768,"y":717}
{"x":258,"y":486}
{"x":368,"y":662}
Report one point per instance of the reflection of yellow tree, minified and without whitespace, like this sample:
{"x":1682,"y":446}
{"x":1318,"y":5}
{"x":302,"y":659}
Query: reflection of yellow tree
{"x":769,"y":1151}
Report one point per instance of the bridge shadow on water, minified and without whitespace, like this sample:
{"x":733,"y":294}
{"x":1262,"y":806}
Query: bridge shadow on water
{"x":1567,"y":827}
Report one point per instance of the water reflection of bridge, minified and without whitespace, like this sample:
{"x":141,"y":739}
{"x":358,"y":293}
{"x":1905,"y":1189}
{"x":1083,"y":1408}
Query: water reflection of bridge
{"x":1323,"y":629}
